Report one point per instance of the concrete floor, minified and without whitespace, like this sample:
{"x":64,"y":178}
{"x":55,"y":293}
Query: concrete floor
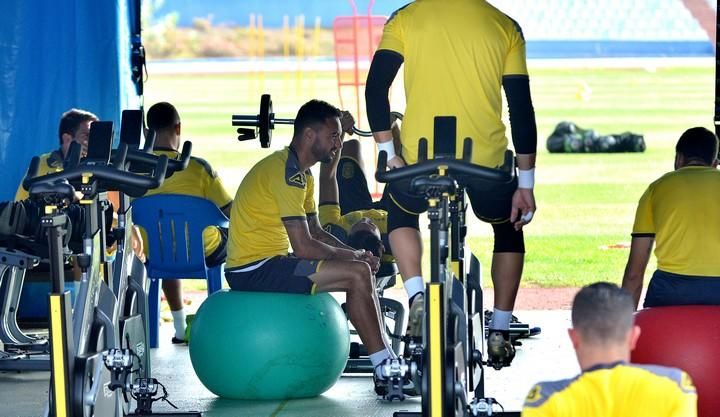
{"x":547,"y":356}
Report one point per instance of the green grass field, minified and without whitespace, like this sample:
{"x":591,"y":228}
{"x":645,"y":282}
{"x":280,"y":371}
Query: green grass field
{"x":586,"y":202}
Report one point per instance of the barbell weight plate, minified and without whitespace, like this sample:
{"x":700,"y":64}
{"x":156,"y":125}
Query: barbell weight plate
{"x":265,"y":124}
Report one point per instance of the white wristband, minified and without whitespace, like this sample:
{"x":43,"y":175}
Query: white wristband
{"x":526,"y":178}
{"x":388,"y":147}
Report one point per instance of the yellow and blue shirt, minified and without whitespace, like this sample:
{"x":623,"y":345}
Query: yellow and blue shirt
{"x":273,"y":191}
{"x":617,"y":390}
{"x":197,"y":180}
{"x":49,"y":163}
{"x":680,"y":210}
{"x":339,"y":225}
{"x":456,"y":53}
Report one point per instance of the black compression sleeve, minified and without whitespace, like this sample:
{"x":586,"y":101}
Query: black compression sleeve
{"x":384,"y":68}
{"x":522,"y":114}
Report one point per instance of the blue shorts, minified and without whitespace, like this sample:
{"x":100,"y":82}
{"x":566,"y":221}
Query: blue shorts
{"x":668,"y":289}
{"x":220,"y":253}
{"x":286,"y":274}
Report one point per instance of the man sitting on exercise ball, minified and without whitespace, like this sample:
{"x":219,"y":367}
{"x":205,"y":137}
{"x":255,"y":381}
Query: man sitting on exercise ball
{"x":275,"y":205}
{"x":199,"y":179}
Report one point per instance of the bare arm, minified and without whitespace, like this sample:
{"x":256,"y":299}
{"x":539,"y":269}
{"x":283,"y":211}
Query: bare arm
{"x":526,"y":161}
{"x":318,"y":233}
{"x":306,"y":247}
{"x":328,"y":182}
{"x":640,"y":249}
{"x":523,"y":201}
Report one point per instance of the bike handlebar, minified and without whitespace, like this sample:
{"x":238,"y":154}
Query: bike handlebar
{"x":503,"y":174}
{"x":129,"y":183}
{"x":147,"y":159}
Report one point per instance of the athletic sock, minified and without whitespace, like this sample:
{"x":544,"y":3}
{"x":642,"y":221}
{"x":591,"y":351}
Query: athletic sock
{"x":414,"y":286}
{"x":179,"y":323}
{"x":379,"y":357}
{"x":500,"y":320}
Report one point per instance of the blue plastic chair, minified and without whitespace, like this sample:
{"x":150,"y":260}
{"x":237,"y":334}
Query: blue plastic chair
{"x":174,"y":224}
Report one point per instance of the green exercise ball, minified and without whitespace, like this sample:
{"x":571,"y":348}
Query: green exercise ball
{"x":269,"y":346}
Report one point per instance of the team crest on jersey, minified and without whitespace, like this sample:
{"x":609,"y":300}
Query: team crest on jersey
{"x":348,"y":171}
{"x":297,"y":179}
{"x":534,"y":394}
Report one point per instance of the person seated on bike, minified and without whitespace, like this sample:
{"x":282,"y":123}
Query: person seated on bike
{"x":74,"y":127}
{"x":199,"y":179}
{"x":457,"y":60}
{"x":679,"y":213}
{"x":346,"y":208}
{"x":603,"y":334}
{"x":275,"y":205}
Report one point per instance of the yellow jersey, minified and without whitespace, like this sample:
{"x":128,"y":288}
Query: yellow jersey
{"x":273,"y":191}
{"x":197,"y":180}
{"x":49,"y":163}
{"x":456,"y":53}
{"x":617,"y":390}
{"x":339,"y":225}
{"x":679,"y":210}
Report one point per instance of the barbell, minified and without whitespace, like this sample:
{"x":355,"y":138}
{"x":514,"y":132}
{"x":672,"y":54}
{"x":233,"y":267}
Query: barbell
{"x":264,"y":122}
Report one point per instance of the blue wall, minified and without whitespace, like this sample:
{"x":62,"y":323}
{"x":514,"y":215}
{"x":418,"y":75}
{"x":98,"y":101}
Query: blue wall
{"x":55,"y":55}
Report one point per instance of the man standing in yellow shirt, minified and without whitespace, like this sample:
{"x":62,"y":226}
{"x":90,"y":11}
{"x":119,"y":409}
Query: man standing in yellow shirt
{"x":274,"y":209}
{"x":458,"y":55}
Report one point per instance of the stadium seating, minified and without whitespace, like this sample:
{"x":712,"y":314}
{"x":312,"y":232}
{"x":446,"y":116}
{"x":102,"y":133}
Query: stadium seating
{"x":609,"y":20}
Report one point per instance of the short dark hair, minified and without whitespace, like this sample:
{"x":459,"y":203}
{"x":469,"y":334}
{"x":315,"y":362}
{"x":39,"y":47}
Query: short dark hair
{"x":603,"y":312}
{"x":162,"y":116}
{"x":364,"y":239}
{"x":71,"y":120}
{"x":698,"y":143}
{"x":312,"y":113}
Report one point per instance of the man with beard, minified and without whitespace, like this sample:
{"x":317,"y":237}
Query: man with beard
{"x":275,"y":204}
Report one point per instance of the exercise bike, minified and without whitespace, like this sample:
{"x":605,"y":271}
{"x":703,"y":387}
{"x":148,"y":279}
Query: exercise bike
{"x":100,"y":362}
{"x":447,"y":363}
{"x":21,"y":351}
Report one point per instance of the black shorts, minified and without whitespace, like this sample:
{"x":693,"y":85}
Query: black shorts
{"x":354,"y":195}
{"x":220,"y":253}
{"x":491,"y":201}
{"x":286,"y":274}
{"x":668,"y":289}
{"x":353,"y":191}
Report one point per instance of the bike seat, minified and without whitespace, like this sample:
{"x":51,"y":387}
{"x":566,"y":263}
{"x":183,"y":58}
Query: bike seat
{"x":433,"y":185}
{"x":56,"y":191}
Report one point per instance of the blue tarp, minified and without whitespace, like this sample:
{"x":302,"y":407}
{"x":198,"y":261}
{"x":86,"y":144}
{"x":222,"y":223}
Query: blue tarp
{"x":55,"y":55}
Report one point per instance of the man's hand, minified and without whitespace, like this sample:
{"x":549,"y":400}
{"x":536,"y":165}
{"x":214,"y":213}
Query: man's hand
{"x":369,"y":258}
{"x":347,"y":122}
{"x":396,"y":162}
{"x":523,"y":207}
